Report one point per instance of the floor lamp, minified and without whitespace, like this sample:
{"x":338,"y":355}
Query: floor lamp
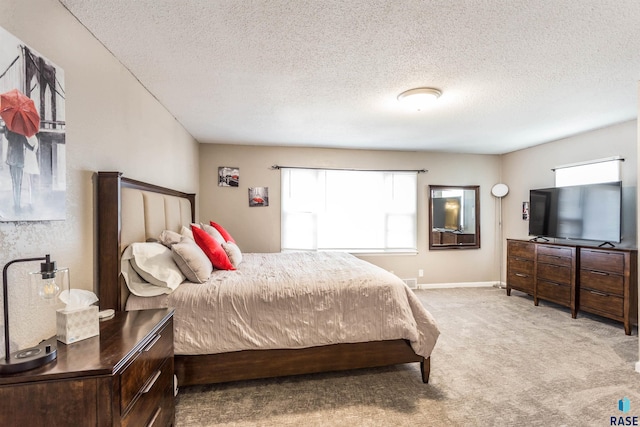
{"x":499,"y":191}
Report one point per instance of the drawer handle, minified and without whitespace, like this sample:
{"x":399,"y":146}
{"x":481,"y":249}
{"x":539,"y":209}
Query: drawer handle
{"x":602,"y":294}
{"x":155,"y":416}
{"x":599,"y":273}
{"x":601,"y":252}
{"x":152,"y":343}
{"x":521,"y":275}
{"x":151,"y":382}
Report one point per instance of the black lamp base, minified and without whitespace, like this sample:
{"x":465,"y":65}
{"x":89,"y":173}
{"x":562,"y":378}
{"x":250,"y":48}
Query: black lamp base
{"x":29,"y":358}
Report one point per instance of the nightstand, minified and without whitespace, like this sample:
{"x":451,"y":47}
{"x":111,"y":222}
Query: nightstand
{"x":123,"y":377}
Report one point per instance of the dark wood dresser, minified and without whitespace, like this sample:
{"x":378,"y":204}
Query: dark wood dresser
{"x":556,"y":275}
{"x":123,"y":377}
{"x":521,"y":266}
{"x":602,"y":281}
{"x":609,"y":284}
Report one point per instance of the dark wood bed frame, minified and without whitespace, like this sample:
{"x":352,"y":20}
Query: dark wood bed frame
{"x":233,"y":366}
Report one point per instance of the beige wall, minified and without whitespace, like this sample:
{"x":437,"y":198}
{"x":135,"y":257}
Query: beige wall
{"x":113,"y":123}
{"x":257,"y":229}
{"x":531,"y":168}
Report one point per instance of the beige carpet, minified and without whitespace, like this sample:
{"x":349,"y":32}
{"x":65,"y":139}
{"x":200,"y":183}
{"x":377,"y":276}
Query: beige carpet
{"x":499,"y":361}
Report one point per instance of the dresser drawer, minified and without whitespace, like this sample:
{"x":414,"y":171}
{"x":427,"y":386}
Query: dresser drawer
{"x":555,"y":260}
{"x":555,"y":251}
{"x":612,"y":262}
{"x":602,"y":281}
{"x":521,"y":265}
{"x":521,"y":249}
{"x":554,"y":292}
{"x":144,"y":366}
{"x":554,"y":273}
{"x":601,"y":303}
{"x":152,"y":407}
{"x":520,"y":281}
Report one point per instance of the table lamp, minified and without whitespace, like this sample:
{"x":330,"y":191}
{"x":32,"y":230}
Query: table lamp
{"x":47,"y":283}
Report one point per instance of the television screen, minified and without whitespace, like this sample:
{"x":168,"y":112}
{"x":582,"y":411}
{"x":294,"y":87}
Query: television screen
{"x":583,"y":212}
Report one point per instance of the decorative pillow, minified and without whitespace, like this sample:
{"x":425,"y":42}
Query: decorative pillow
{"x":212,"y":249}
{"x":225,"y":234}
{"x":154,"y":263}
{"x":136,"y":284}
{"x":213,"y":233}
{"x":191,"y":260}
{"x":233,"y":252}
{"x":185,"y":231}
{"x":168,"y":238}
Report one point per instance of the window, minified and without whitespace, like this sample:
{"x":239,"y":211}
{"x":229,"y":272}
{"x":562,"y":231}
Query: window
{"x":354,"y":211}
{"x":597,"y":171}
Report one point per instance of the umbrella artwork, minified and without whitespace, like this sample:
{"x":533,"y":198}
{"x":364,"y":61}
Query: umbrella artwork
{"x":19,"y":113}
{"x":258,"y":196}
{"x":33,"y":149}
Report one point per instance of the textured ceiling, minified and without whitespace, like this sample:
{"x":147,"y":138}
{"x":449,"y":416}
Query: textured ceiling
{"x":513,"y":73}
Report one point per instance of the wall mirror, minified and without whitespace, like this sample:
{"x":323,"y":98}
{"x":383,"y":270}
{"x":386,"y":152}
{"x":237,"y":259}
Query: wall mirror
{"x":454,"y":220}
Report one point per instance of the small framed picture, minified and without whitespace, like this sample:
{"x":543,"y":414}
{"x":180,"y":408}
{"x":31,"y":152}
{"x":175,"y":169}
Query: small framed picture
{"x":228,"y":176}
{"x":258,"y":196}
{"x":525,"y":211}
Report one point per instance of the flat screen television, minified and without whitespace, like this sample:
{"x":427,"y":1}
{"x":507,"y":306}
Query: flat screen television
{"x":582,"y":212}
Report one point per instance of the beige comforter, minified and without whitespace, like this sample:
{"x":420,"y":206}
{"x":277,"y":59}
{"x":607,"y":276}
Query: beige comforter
{"x":294,"y":300}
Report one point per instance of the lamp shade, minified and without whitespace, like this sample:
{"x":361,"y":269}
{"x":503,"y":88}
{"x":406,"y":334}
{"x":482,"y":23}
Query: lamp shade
{"x":499,"y":190}
{"x":45,"y":288}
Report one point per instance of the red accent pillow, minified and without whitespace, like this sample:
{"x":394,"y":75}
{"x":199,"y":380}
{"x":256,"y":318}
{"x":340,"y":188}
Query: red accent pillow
{"x":224,"y":233}
{"x":212,"y":249}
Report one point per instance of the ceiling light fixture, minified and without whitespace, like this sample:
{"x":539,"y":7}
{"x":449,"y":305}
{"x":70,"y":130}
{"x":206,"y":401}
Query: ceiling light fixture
{"x":419,"y":98}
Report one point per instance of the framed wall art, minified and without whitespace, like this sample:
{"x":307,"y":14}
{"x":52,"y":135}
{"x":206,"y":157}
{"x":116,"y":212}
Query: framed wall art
{"x":228,"y":176}
{"x":258,"y":196}
{"x":32,"y":134}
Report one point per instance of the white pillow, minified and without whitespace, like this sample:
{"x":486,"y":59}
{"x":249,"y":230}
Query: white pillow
{"x":136,"y":284}
{"x":168,"y":238}
{"x":186,"y":231}
{"x":191,"y":260}
{"x":211,"y":231}
{"x":155,"y":264}
{"x":233,"y":252}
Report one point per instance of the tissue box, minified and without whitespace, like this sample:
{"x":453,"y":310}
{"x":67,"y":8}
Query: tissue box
{"x":76,"y":325}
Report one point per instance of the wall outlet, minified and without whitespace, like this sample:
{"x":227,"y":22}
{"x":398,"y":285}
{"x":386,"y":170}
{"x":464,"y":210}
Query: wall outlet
{"x":421,"y":273}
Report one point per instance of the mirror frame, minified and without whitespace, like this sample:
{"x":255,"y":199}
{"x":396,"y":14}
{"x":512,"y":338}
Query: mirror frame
{"x":476,"y":245}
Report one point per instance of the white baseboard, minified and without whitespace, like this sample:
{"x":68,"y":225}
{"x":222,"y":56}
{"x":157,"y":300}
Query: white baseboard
{"x":456,"y":285}
{"x":637,"y":366}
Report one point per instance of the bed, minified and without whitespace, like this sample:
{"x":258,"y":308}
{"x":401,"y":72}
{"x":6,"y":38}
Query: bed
{"x":130,"y":211}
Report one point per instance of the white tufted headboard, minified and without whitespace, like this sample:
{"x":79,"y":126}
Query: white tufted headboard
{"x":131,"y":211}
{"x":146,"y":214}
